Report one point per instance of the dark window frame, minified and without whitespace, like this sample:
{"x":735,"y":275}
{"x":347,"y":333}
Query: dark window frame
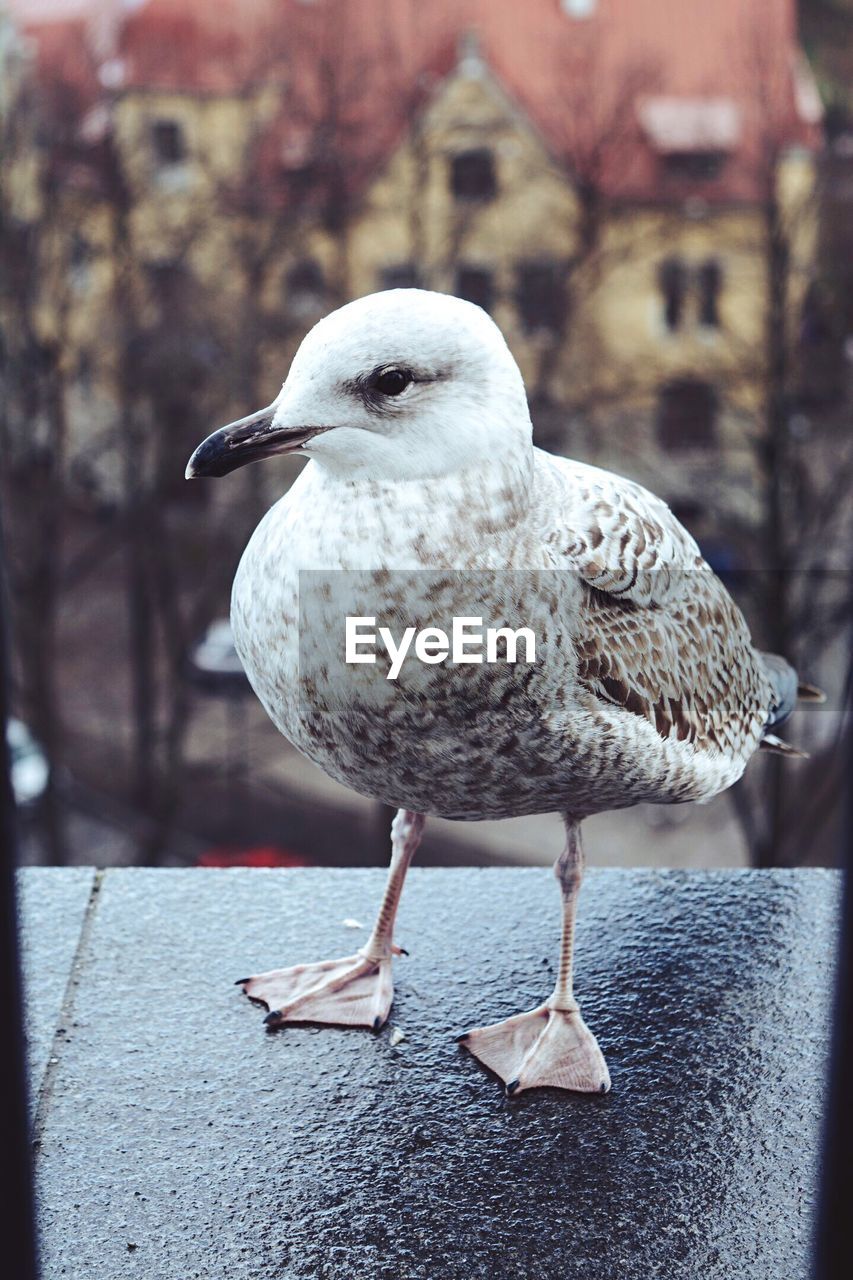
{"x":305,"y":288}
{"x":473,"y":175}
{"x":169,"y":142}
{"x":170,"y":280}
{"x":687,"y":412}
{"x":542,"y":295}
{"x":709,"y":281}
{"x":693,"y":166}
{"x":480,"y":287}
{"x":672,"y":282}
{"x":399,"y":275}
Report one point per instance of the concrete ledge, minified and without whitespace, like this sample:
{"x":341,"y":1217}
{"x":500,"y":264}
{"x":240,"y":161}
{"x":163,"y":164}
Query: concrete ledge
{"x":177,"y":1140}
{"x":52,"y":907}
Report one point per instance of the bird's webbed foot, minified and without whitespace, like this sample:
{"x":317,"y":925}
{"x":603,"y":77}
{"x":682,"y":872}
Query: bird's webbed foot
{"x":543,"y":1047}
{"x":355,"y":991}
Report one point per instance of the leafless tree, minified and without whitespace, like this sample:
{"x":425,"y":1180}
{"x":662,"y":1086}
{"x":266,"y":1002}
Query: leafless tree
{"x":35,"y":425}
{"x":176,"y":360}
{"x":160,"y":370}
{"x":799,"y":582}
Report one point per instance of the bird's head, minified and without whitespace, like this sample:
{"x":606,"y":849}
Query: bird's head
{"x":400,"y":385}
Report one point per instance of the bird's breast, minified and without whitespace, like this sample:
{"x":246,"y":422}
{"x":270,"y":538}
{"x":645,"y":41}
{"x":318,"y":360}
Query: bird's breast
{"x":466,"y":739}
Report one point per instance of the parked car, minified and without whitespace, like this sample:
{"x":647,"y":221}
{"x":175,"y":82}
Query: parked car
{"x":214,"y":664}
{"x":254,"y":856}
{"x":28,"y":763}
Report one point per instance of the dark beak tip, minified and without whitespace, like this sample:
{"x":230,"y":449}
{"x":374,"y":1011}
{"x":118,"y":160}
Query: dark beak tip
{"x":202,"y":461}
{"x":200,"y":467}
{"x":213,"y":457}
{"x":232,"y":446}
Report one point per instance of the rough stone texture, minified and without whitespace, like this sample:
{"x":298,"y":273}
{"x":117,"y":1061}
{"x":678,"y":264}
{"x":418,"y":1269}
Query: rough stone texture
{"x":51,"y":909}
{"x":183,"y":1141}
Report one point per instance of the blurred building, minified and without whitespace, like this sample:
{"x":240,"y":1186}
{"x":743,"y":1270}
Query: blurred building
{"x":634,"y":189}
{"x":626,"y":185}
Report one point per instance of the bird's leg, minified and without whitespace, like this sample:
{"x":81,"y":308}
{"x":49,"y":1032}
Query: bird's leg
{"x":550,"y":1045}
{"x":406,"y":831}
{"x":357,"y":990}
{"x":568,"y":869}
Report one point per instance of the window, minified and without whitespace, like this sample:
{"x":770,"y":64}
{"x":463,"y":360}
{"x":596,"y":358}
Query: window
{"x":403,"y":275}
{"x":472,"y":175}
{"x":80,"y":251}
{"x":86,"y":373}
{"x":168,"y":140}
{"x":301,"y":184}
{"x":693,"y":166}
{"x":305,"y":290}
{"x":687,"y":411}
{"x":476,"y":284}
{"x":672,"y":280}
{"x":80,"y":263}
{"x":541,"y":296}
{"x":710,"y":281}
{"x":171,"y":283}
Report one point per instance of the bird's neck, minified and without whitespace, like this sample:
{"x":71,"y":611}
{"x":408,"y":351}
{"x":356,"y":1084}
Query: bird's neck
{"x":436,"y":520}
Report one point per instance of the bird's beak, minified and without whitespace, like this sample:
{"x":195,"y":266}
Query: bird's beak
{"x":247,"y":440}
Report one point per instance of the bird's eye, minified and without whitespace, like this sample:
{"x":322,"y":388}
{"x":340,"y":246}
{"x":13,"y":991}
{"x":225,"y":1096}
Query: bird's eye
{"x":392,"y":382}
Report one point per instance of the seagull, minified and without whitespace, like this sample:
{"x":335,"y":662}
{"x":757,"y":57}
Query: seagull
{"x":423,"y":490}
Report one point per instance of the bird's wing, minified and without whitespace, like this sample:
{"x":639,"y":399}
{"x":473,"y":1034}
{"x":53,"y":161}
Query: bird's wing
{"x":620,"y":538}
{"x":658,"y":634}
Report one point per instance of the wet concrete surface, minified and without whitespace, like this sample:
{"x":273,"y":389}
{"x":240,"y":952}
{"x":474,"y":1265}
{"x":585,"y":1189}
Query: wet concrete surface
{"x":51,"y":910}
{"x":177,"y":1139}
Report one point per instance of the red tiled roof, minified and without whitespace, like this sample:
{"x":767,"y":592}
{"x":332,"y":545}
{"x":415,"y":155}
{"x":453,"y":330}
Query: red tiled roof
{"x":200,"y":46}
{"x":593,"y":86}
{"x":66,"y":73}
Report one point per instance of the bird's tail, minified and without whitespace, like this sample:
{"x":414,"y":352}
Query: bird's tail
{"x":788,"y":690}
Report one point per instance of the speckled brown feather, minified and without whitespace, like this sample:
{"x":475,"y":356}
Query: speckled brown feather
{"x":658,"y":633}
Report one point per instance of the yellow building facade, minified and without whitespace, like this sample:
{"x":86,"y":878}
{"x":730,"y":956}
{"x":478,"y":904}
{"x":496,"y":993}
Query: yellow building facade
{"x":645,"y":353}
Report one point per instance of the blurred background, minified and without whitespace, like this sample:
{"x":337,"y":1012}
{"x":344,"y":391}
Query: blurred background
{"x":653,"y":198}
